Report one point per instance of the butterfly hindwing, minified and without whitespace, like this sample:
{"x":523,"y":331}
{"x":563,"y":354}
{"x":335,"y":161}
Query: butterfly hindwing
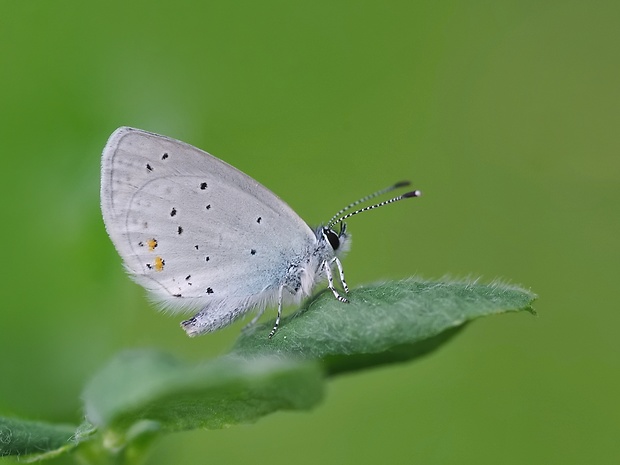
{"x":192,"y":229}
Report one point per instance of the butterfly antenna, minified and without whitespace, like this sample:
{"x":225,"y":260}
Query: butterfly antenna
{"x":406,"y":195}
{"x":368,"y":197}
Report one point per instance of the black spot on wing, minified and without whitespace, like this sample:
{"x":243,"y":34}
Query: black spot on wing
{"x":173,"y":211}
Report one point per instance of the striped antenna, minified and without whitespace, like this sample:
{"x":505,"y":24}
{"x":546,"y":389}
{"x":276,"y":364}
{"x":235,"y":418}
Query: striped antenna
{"x":368,"y":197}
{"x":406,"y":195}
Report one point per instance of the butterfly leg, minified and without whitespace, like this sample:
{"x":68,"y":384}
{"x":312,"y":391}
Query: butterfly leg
{"x":259,"y":313}
{"x":330,"y":280}
{"x":277,"y":323}
{"x":341,"y":271}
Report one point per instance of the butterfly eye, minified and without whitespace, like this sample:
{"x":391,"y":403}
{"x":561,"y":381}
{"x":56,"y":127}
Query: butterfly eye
{"x":332,"y":237}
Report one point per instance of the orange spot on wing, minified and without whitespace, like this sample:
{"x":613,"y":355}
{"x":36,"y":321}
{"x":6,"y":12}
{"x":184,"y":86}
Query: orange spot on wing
{"x":152,"y":243}
{"x":159,"y":264}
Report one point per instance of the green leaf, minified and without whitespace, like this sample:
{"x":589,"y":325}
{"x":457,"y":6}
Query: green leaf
{"x":37,"y":440}
{"x":383,"y":323}
{"x":140,"y":394}
{"x":157,"y":391}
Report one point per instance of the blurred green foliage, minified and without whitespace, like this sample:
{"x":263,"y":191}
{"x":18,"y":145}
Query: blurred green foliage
{"x":504,"y":113}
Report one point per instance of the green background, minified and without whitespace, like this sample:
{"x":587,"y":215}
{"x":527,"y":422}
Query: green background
{"x":506,"y":115}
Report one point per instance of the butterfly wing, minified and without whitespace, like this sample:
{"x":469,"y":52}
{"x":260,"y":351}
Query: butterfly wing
{"x":193,"y":230}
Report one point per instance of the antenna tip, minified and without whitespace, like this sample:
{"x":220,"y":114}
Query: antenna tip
{"x":401,"y":184}
{"x":412,"y":194}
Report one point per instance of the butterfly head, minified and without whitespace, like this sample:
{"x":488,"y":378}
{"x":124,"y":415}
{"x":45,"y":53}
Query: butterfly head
{"x":339,"y":241}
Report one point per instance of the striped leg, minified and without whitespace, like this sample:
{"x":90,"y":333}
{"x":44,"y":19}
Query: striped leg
{"x":330,"y":280}
{"x":341,"y":271}
{"x":277,"y":323}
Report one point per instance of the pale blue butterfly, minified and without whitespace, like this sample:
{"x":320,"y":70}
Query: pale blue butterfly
{"x":199,"y":234}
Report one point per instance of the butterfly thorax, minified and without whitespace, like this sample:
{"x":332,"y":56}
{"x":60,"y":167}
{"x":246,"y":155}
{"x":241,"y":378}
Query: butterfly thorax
{"x":309,"y":266}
